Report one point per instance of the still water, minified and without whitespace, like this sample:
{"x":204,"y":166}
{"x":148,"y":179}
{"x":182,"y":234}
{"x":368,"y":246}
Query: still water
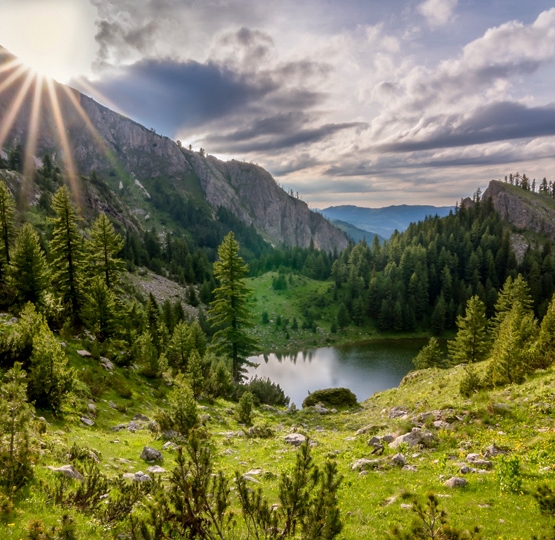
{"x":364,"y":367}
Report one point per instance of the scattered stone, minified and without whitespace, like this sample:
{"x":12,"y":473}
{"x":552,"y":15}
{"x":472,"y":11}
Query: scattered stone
{"x":441,"y":424}
{"x":349,"y":439}
{"x":170,"y":434}
{"x":465,"y":469}
{"x":134,"y":426}
{"x":413,"y":438}
{"x":87,"y":421}
{"x":113,"y":405}
{"x":399,"y":460}
{"x":295,"y":439}
{"x":482,"y":463}
{"x":106,"y":364}
{"x":406,"y":506}
{"x":374,"y":440}
{"x":156,"y":469}
{"x":228,"y":452}
{"x":84,"y":353}
{"x":363,"y":464}
{"x":492,"y":451}
{"x":320,"y":409}
{"x":68,"y":470}
{"x":398,"y":412}
{"x":119,"y":427}
{"x":254,"y":472}
{"x":251,"y":479}
{"x":151,"y":454}
{"x":169,"y":446}
{"x":369,"y":429}
{"x":472,"y":457}
{"x":388,"y":438}
{"x":410,"y":468}
{"x":141,"y":418}
{"x":94,"y":457}
{"x":140,"y":476}
{"x":91,"y":407}
{"x":455,"y":482}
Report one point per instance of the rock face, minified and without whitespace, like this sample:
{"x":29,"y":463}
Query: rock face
{"x":523,"y":209}
{"x":136,"y":159}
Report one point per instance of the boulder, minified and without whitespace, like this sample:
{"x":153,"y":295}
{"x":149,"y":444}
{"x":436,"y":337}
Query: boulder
{"x":151,"y":454}
{"x":156,"y":469}
{"x":414,"y":438}
{"x":106,"y":364}
{"x":87,"y":421}
{"x":363,"y":464}
{"x":68,"y":470}
{"x":455,"y":482}
{"x":320,"y":409}
{"x":397,"y":412}
{"x":296,"y":439}
{"x":399,"y":460}
{"x":83,"y":353}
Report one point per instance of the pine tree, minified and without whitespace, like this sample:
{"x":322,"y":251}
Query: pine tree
{"x":229,"y":313}
{"x":100,"y":309}
{"x":429,"y":356}
{"x":15,"y":417}
{"x":513,"y":291}
{"x":27,"y":272}
{"x":50,"y":378}
{"x":7,"y":212}
{"x":471,"y":343}
{"x":66,"y":249}
{"x":102,"y":250}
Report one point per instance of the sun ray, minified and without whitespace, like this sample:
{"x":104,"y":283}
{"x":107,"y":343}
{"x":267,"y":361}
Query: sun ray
{"x":64,"y":142}
{"x":10,"y":64}
{"x":93,"y":131}
{"x":99,"y":96}
{"x":14,"y":107}
{"x":14,"y":77}
{"x":34,"y":120}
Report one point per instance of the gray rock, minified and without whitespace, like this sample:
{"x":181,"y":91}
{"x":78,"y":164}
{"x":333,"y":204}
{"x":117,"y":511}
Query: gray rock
{"x":414,"y":438}
{"x":170,"y":434}
{"x":106,"y":364}
{"x":320,"y":409}
{"x":169,"y":446}
{"x":156,"y":469}
{"x":440,"y":424}
{"x":410,"y":468}
{"x":364,"y":464}
{"x":141,"y":418}
{"x":140,"y":476}
{"x":374,"y":440}
{"x":397,"y":412}
{"x":455,"y":482}
{"x":83,"y":353}
{"x":465,"y":469}
{"x":388,"y":438}
{"x":492,"y":451}
{"x":251,"y":479}
{"x":482,"y":464}
{"x":399,"y":460}
{"x":87,"y":421}
{"x":134,"y":426}
{"x":151,"y":454}
{"x":368,"y":429}
{"x":91,"y":407}
{"x":295,"y":439}
{"x":68,"y":470}
{"x":119,"y":427}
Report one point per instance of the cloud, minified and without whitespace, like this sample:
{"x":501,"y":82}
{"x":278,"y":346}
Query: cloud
{"x":437,"y":12}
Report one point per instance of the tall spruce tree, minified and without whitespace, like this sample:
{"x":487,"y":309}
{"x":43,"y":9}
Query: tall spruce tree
{"x":66,"y":249}
{"x":471,"y":343}
{"x":7,"y":212}
{"x":28,"y":272}
{"x":229,"y":314}
{"x":102,"y":250}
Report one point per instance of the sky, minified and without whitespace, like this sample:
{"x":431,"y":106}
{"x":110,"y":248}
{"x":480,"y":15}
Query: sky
{"x":366,"y":102}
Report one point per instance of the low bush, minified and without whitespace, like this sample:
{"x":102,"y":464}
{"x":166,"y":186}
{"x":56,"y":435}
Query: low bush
{"x":332,"y":397}
{"x":267,"y":392}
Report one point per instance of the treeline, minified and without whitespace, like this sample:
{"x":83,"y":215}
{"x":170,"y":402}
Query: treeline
{"x":422,"y":278}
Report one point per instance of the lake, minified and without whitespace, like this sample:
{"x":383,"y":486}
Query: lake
{"x":364,"y":367}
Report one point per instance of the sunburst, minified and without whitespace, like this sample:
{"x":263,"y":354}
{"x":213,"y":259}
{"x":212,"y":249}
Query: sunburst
{"x":22,"y":81}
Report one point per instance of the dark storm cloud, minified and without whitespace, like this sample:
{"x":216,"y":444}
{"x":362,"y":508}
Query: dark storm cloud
{"x":171,"y":94}
{"x":497,"y":122}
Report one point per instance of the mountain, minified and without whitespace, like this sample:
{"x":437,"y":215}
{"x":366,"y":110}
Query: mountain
{"x":384,"y":221}
{"x":152,"y":174}
{"x":356,"y":234}
{"x":523,"y":209}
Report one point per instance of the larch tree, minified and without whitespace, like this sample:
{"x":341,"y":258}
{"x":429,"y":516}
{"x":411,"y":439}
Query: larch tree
{"x":7,"y":232}
{"x":229,"y":314}
{"x":66,"y":248}
{"x":28,"y":272}
{"x":102,"y":252}
{"x":471,"y":344}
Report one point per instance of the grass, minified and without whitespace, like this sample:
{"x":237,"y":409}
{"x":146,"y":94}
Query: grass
{"x":517,"y":418}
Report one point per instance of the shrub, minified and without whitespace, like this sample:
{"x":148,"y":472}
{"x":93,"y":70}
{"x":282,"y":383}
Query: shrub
{"x":244,"y":408}
{"x":470,"y":383}
{"x":509,"y":474}
{"x":182,"y":412}
{"x":267,"y":392}
{"x":333,"y":397}
{"x":545,"y":497}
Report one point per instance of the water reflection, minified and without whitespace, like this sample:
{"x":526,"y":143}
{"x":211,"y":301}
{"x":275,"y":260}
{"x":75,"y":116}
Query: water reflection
{"x":365,"y":367}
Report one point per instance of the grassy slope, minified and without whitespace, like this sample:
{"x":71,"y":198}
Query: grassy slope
{"x":520,"y":425}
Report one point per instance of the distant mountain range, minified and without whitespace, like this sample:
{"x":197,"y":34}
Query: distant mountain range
{"x":383,"y":221}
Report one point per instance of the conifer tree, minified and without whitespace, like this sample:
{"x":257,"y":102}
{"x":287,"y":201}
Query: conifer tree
{"x":471,"y":343}
{"x":102,"y":250}
{"x":7,"y":212}
{"x":28,"y":272}
{"x":546,"y":339}
{"x":100,"y":309}
{"x":429,"y":356}
{"x":229,"y":314}
{"x":66,"y":249}
{"x":15,"y":417}
{"x":513,"y":291}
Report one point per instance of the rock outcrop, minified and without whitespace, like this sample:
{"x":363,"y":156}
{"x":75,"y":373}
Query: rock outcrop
{"x":135,"y":159}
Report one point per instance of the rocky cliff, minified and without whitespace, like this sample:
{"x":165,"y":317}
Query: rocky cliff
{"x":132,"y":155}
{"x":524,"y":210}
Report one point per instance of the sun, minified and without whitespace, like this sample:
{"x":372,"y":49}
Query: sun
{"x":54,"y":38}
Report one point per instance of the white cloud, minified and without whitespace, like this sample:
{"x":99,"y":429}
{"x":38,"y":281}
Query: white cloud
{"x":437,"y":12}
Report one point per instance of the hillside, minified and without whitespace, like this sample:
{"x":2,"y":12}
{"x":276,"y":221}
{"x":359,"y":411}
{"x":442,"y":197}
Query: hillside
{"x":384,"y":221}
{"x":148,"y":171}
